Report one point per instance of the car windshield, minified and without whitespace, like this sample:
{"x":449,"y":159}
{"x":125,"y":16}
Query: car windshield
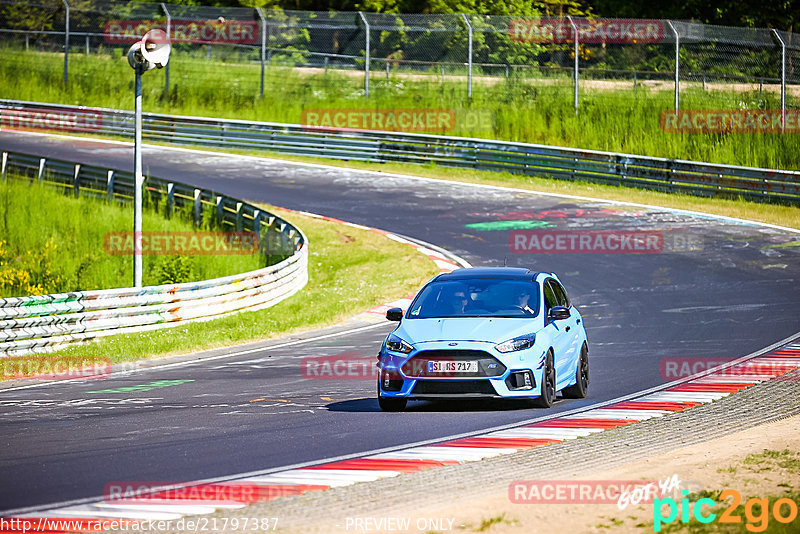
{"x":476,"y":298}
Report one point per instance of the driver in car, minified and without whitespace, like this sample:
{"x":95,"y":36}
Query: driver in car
{"x":522,"y":301}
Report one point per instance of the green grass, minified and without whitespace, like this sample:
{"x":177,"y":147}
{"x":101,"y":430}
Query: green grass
{"x":537,"y":110}
{"x":350,"y":270}
{"x":58,"y":240}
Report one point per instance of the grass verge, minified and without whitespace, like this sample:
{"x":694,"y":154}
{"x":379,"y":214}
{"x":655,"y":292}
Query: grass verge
{"x":517,"y":108}
{"x":54,"y":243}
{"x":350,"y":270}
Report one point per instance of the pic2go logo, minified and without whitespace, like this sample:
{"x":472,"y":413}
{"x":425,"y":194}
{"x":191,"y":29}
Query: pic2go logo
{"x":756,"y":511}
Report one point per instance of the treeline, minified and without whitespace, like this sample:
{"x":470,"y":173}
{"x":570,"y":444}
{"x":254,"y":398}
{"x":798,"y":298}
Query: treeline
{"x":779,"y":14}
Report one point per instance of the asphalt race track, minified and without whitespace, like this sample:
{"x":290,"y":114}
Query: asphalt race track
{"x":714,"y":289}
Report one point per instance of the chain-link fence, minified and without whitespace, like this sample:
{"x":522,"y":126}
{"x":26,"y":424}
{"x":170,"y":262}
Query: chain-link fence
{"x":367,"y":51}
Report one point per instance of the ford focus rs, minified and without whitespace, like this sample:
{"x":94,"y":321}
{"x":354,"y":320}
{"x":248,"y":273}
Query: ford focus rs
{"x":485,"y":332}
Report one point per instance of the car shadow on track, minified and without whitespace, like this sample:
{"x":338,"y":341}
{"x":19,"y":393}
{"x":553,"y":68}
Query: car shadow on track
{"x":459,"y":405}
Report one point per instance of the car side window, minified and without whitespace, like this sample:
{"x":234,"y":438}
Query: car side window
{"x":550,"y":298}
{"x":561,"y":294}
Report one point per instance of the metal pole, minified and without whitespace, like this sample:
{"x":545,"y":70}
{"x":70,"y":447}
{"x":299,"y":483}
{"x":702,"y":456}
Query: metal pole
{"x":263,"y":47}
{"x":366,"y":56}
{"x":677,"y":66}
{"x":66,"y":43}
{"x":469,"y":56}
{"x":575,"y":31}
{"x":783,"y":79}
{"x":138,"y":183}
{"x":169,"y":37}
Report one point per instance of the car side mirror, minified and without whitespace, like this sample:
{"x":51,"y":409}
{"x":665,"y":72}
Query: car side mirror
{"x":558,"y":312}
{"x":394,"y":314}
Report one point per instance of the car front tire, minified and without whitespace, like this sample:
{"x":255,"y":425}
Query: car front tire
{"x":391,"y":404}
{"x":581,"y":386}
{"x":547,"y":388}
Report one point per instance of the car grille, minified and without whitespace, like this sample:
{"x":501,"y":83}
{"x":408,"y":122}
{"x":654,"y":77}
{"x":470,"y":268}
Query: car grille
{"x":488,"y":365}
{"x":453,"y":387}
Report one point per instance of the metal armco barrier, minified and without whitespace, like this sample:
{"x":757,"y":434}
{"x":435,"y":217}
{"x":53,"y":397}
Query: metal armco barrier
{"x":48,"y":322}
{"x":659,"y":174}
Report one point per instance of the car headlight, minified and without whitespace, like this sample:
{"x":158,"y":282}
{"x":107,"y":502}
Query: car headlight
{"x":518,"y":343}
{"x":395,"y":344}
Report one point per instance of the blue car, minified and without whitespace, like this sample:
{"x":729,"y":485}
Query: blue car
{"x":485,"y":332}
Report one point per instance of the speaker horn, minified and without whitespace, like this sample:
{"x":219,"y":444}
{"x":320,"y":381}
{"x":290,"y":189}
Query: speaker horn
{"x":151,"y":52}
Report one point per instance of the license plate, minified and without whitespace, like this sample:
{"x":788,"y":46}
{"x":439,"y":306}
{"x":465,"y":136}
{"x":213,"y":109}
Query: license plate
{"x":447,"y":366}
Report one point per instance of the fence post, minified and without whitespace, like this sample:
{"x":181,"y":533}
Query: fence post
{"x":3,"y":166}
{"x":40,"y":174}
{"x":239,"y":206}
{"x":677,"y":66}
{"x":263,"y":47}
{"x":220,"y":210}
{"x":169,"y":38}
{"x":366,"y":55}
{"x":197,"y":208}
{"x":170,"y":198}
{"x":87,"y":44}
{"x":66,"y":42}
{"x":575,"y":75}
{"x":76,"y":181}
{"x":783,"y":79}
{"x":110,"y":185}
{"x":469,"y":56}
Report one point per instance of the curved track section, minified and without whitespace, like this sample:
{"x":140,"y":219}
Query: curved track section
{"x":714,"y":289}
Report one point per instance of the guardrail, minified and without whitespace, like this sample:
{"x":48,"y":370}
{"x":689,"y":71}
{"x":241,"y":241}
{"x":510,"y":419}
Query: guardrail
{"x":659,"y":174}
{"x":48,"y":322}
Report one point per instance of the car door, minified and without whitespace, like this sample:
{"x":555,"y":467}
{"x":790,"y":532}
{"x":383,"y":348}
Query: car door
{"x":557,"y":329}
{"x":571,"y":326}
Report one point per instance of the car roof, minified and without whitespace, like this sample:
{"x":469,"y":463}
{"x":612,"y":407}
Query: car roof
{"x":504,"y":273}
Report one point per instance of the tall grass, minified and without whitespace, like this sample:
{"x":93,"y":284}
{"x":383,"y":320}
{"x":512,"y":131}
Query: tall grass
{"x":536,"y":110}
{"x":58,"y":240}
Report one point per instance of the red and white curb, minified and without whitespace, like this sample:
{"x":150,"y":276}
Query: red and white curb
{"x":205,"y":498}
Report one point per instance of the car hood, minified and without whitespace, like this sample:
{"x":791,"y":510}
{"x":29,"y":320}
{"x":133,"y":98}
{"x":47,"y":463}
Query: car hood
{"x":488,"y":329}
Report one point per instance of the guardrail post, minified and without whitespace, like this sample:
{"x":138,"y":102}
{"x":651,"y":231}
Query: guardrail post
{"x":198,"y":207}
{"x":783,"y":79}
{"x":40,"y":174}
{"x":66,"y":42}
{"x":170,"y":198}
{"x":577,"y":56}
{"x":677,"y":65}
{"x":76,"y":180}
{"x":3,"y":165}
{"x":239,"y":216}
{"x":110,"y":185}
{"x":87,"y":44}
{"x":169,"y":38}
{"x":263,"y":47}
{"x":220,"y":209}
{"x":257,"y":221}
{"x":366,"y":55}
{"x":469,"y":55}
